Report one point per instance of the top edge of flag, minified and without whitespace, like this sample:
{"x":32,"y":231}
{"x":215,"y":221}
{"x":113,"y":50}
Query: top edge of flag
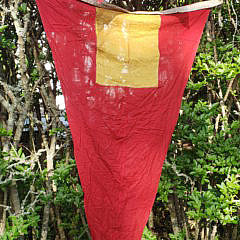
{"x":183,"y":9}
{"x":103,"y":4}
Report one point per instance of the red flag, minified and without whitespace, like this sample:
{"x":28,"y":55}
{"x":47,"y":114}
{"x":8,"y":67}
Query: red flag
{"x":123,"y":77}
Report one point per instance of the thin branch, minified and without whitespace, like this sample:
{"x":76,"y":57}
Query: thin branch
{"x":4,"y":103}
{"x":230,"y":87}
{"x":188,"y":179}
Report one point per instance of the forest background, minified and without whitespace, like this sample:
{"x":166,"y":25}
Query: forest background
{"x":40,"y":192}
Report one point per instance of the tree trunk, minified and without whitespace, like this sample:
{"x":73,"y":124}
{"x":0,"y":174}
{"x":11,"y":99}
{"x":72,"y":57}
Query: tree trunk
{"x":45,"y":221}
{"x":235,"y":232}
{"x":227,"y":233}
{"x":207,"y":235}
{"x":59,"y":224}
{"x":203,"y":234}
{"x":184,"y":218}
{"x":197,"y":230}
{"x":173,"y":214}
{"x":3,"y":212}
{"x":214,"y":232}
{"x":15,"y":198}
{"x":151,"y":221}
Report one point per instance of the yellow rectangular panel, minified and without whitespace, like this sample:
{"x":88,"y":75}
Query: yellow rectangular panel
{"x":127,"y":49}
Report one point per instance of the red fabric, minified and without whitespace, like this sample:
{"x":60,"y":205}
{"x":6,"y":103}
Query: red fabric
{"x":120,"y":134}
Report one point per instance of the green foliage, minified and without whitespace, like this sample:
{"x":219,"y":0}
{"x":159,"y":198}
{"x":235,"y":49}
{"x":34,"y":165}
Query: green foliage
{"x":69,"y":190}
{"x":69,"y":195}
{"x":229,"y":199}
{"x":2,"y":28}
{"x":165,"y":187}
{"x":54,"y":131}
{"x":4,"y":132}
{"x":147,"y":235}
{"x":178,"y":236}
{"x":23,"y":8}
{"x":14,"y":165}
{"x":6,"y":39}
{"x":216,"y":204}
{"x":213,"y":163}
{"x":17,"y":226}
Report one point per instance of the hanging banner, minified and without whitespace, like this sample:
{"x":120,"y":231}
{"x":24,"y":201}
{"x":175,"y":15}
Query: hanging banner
{"x":123,"y":76}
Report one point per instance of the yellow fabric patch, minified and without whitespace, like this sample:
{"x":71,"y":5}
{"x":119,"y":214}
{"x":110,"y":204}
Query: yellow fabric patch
{"x":127,"y":49}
